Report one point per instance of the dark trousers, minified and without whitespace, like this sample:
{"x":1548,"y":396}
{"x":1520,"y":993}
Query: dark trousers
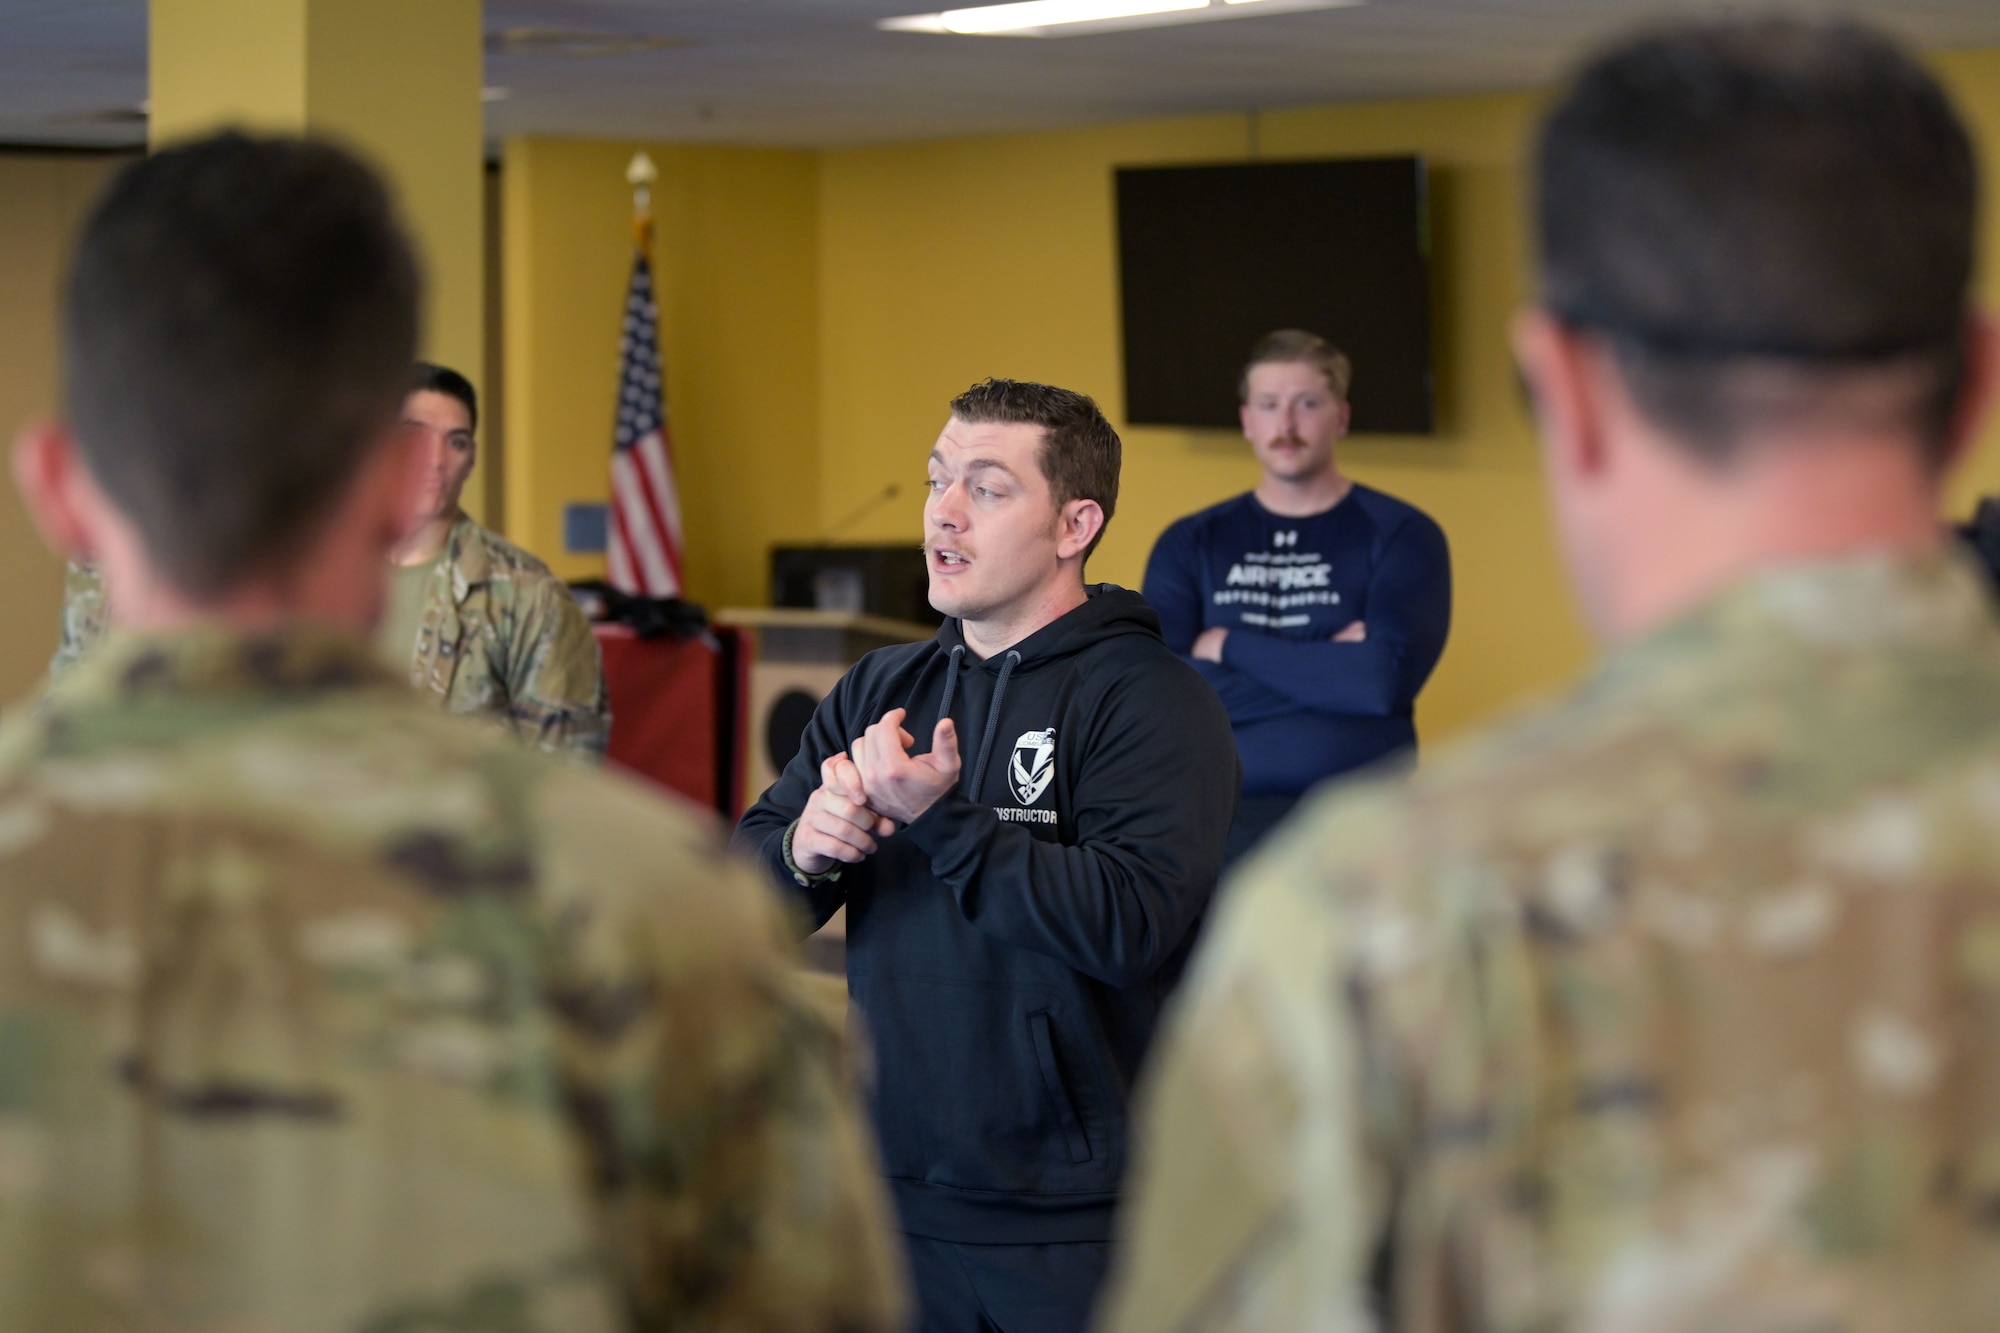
{"x":1006,"y":1288}
{"x":1255,"y":816}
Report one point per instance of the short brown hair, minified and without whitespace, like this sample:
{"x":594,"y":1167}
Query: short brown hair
{"x":1760,"y":216}
{"x":238,"y":328}
{"x":1289,"y":345}
{"x":1080,"y":451}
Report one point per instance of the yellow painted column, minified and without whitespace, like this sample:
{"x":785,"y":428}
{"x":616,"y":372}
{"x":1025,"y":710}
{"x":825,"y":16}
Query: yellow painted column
{"x":397,"y":80}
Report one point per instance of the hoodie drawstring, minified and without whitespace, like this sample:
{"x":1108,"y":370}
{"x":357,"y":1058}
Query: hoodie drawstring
{"x":950,"y":682}
{"x":1013,"y":659}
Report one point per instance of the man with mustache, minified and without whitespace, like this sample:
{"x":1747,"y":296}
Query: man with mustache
{"x":1317,"y":607}
{"x":476,"y":621}
{"x":1024,"y":818}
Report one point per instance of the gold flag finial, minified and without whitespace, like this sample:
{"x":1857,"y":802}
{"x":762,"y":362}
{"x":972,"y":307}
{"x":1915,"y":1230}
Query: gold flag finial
{"x":640,"y":175}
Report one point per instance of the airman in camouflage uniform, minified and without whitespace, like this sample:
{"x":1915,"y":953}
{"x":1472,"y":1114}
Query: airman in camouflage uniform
{"x":84,"y":616}
{"x":500,"y":637}
{"x":1670,"y":1008}
{"x":320,"y":1011}
{"x":1673,"y":1006}
{"x":306,"y":991}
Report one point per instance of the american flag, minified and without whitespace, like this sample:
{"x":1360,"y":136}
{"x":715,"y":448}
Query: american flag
{"x":645,"y":554}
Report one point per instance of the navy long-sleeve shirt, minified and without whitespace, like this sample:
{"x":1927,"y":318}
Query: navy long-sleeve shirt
{"x":1302,"y":706}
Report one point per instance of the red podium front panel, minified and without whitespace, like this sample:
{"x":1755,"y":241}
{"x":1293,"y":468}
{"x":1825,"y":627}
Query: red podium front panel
{"x":667,"y":710}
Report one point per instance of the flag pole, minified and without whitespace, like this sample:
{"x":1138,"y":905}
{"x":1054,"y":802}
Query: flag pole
{"x":640,"y":175}
{"x":643,"y":553}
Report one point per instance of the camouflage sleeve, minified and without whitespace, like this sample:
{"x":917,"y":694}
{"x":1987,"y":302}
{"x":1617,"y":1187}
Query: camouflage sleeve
{"x":736,"y":1185}
{"x":555,"y":674}
{"x":1253,"y":1203}
{"x":83,"y":616}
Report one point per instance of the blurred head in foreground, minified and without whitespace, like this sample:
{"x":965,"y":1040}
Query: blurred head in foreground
{"x":1673,"y":1004}
{"x":238,"y":328}
{"x":641,"y":1121}
{"x":1753,"y":340}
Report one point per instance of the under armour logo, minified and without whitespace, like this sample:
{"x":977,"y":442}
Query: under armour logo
{"x":1284,"y":539}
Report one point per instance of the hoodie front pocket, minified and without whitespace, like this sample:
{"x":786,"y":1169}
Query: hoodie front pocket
{"x":1043,"y":1032}
{"x":986,"y":1089}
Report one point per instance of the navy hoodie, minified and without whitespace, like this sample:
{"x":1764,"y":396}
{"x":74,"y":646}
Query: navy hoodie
{"x":1010,"y":950}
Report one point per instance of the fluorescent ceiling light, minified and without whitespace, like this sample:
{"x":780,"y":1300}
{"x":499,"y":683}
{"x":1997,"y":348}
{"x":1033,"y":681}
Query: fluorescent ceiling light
{"x":1075,"y":18}
{"x":1044,"y":13}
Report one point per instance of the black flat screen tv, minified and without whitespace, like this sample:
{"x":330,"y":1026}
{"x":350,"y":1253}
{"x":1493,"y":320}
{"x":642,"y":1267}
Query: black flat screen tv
{"x":1211,"y":258}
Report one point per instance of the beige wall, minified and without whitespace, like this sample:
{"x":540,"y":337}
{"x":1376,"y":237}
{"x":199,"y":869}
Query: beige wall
{"x":43,"y":197}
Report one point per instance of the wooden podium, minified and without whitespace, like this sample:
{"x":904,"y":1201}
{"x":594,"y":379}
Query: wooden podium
{"x":796,"y":658}
{"x":674,"y":711}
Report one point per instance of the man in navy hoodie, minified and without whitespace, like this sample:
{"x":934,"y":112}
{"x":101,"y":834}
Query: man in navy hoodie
{"x":1025,"y":818}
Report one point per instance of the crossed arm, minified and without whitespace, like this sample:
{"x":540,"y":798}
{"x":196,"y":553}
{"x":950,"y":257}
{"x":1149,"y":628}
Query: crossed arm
{"x":1370,"y":668}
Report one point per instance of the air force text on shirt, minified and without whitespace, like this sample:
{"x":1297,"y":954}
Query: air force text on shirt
{"x":1279,"y":580}
{"x":1304,"y":706}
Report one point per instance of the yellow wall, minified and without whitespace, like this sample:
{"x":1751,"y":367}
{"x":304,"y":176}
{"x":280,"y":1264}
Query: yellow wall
{"x":399,"y":81}
{"x":1974,"y":80}
{"x":43,"y":197}
{"x":818,"y":310}
{"x":225,"y":62}
{"x":924,"y":267}
{"x":918,"y":269}
{"x":736,"y":269}
{"x":946,"y":262}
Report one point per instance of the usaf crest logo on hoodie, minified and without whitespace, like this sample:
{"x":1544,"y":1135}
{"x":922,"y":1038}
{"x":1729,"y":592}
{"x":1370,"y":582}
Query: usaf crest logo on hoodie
{"x":1034,"y":764}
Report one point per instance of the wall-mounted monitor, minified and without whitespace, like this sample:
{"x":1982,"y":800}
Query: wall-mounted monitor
{"x":1211,"y":258}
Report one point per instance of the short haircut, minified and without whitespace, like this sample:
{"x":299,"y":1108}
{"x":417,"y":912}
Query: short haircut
{"x":431,"y":378}
{"x":1297,"y":345}
{"x":1080,"y":452}
{"x":237,"y":329}
{"x":1757,"y":214}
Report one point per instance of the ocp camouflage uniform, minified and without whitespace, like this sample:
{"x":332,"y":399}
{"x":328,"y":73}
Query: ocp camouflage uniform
{"x":84,"y":616}
{"x":500,"y":637}
{"x":322,"y":1013}
{"x":1675,"y":1007}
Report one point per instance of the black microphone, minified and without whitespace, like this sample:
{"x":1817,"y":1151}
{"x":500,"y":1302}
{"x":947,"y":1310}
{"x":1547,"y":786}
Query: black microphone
{"x":867,"y":507}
